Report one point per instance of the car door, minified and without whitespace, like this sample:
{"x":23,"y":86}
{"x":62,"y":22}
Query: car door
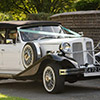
{"x":12,"y":57}
{"x":11,"y":53}
{"x":1,"y":57}
{"x":2,"y":37}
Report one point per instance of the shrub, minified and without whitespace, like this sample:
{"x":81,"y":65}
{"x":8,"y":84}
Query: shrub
{"x":5,"y":17}
{"x":12,"y":16}
{"x":39,"y":16}
{"x":87,"y":5}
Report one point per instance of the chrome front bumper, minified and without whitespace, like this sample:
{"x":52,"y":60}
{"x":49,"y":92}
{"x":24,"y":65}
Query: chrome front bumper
{"x":87,"y":71}
{"x":72,"y":71}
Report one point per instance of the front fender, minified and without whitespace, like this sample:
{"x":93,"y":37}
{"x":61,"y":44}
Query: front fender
{"x":65,"y":62}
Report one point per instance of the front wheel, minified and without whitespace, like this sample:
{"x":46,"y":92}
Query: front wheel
{"x":52,"y":81}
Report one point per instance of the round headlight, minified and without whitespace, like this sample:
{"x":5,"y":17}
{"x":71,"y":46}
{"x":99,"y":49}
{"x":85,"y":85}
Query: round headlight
{"x":65,"y":47}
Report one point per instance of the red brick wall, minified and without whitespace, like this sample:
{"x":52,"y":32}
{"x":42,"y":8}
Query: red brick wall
{"x":81,"y":21}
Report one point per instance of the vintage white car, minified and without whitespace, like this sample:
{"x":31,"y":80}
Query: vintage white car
{"x":47,"y":51}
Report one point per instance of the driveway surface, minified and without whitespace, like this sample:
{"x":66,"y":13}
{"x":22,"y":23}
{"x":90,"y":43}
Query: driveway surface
{"x":84,"y":90}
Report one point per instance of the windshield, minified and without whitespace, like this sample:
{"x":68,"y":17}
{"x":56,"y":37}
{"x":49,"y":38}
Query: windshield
{"x":37,"y":32}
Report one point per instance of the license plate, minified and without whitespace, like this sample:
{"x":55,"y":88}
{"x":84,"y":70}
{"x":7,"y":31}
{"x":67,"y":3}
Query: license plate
{"x":92,"y":71}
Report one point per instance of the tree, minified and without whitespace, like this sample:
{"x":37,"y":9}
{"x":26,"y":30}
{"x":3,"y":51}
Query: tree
{"x":87,"y":5}
{"x":35,"y":6}
{"x":10,"y":16}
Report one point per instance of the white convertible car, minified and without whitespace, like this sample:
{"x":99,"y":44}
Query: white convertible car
{"x":47,"y":51}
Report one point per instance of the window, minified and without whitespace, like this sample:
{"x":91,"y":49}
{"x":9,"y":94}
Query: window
{"x":2,"y":36}
{"x":12,"y":36}
{"x":8,"y":36}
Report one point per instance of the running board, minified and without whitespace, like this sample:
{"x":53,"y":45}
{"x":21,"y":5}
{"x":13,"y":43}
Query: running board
{"x":3,"y":75}
{"x":8,"y":74}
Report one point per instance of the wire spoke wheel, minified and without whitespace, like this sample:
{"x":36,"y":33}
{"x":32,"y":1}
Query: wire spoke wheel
{"x":29,"y":55}
{"x":53,"y":83}
{"x":49,"y":78}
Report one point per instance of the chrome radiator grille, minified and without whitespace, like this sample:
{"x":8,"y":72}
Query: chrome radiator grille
{"x":79,"y":57}
{"x":90,"y":53}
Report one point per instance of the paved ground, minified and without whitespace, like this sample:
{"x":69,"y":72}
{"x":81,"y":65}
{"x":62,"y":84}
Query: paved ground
{"x":84,"y":90}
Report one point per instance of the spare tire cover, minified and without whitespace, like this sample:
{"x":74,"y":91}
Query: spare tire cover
{"x":29,"y":55}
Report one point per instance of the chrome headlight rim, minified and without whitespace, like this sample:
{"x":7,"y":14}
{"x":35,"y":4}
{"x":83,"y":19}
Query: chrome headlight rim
{"x":99,"y":44}
{"x":65,"y":47}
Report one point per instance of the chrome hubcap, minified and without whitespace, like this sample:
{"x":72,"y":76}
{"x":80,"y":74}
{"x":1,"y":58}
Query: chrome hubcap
{"x":48,"y":78}
{"x":28,"y":56}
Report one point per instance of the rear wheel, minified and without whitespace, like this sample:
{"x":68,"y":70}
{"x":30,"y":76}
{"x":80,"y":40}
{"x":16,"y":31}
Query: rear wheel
{"x":52,"y":81}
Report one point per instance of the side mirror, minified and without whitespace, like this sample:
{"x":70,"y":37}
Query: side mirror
{"x":81,"y":33}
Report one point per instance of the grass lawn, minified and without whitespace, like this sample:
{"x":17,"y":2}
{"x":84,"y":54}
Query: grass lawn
{"x":5,"y":97}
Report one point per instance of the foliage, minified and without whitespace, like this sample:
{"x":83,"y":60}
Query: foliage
{"x":4,"y":97}
{"x":87,"y":5}
{"x":39,"y":16}
{"x":5,"y":17}
{"x":38,"y":9}
{"x":11,"y":16}
{"x":35,"y":6}
{"x":42,"y":9}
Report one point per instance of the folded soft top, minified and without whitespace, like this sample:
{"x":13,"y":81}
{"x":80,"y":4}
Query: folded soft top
{"x":14,"y":24}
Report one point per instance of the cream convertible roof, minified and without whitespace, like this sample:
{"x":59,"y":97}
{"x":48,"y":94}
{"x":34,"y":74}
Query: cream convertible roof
{"x":14,"y":24}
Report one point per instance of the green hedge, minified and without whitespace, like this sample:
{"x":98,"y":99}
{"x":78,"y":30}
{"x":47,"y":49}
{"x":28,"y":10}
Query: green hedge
{"x":87,"y":5}
{"x":39,"y":16}
{"x":21,"y":16}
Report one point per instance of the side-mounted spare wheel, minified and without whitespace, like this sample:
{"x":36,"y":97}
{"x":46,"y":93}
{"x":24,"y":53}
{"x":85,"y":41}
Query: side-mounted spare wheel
{"x":52,"y":81}
{"x":29,"y":55}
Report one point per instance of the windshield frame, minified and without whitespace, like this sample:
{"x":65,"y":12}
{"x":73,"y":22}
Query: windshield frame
{"x":74,"y":34}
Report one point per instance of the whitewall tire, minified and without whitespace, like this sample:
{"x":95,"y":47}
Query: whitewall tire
{"x":52,"y":81}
